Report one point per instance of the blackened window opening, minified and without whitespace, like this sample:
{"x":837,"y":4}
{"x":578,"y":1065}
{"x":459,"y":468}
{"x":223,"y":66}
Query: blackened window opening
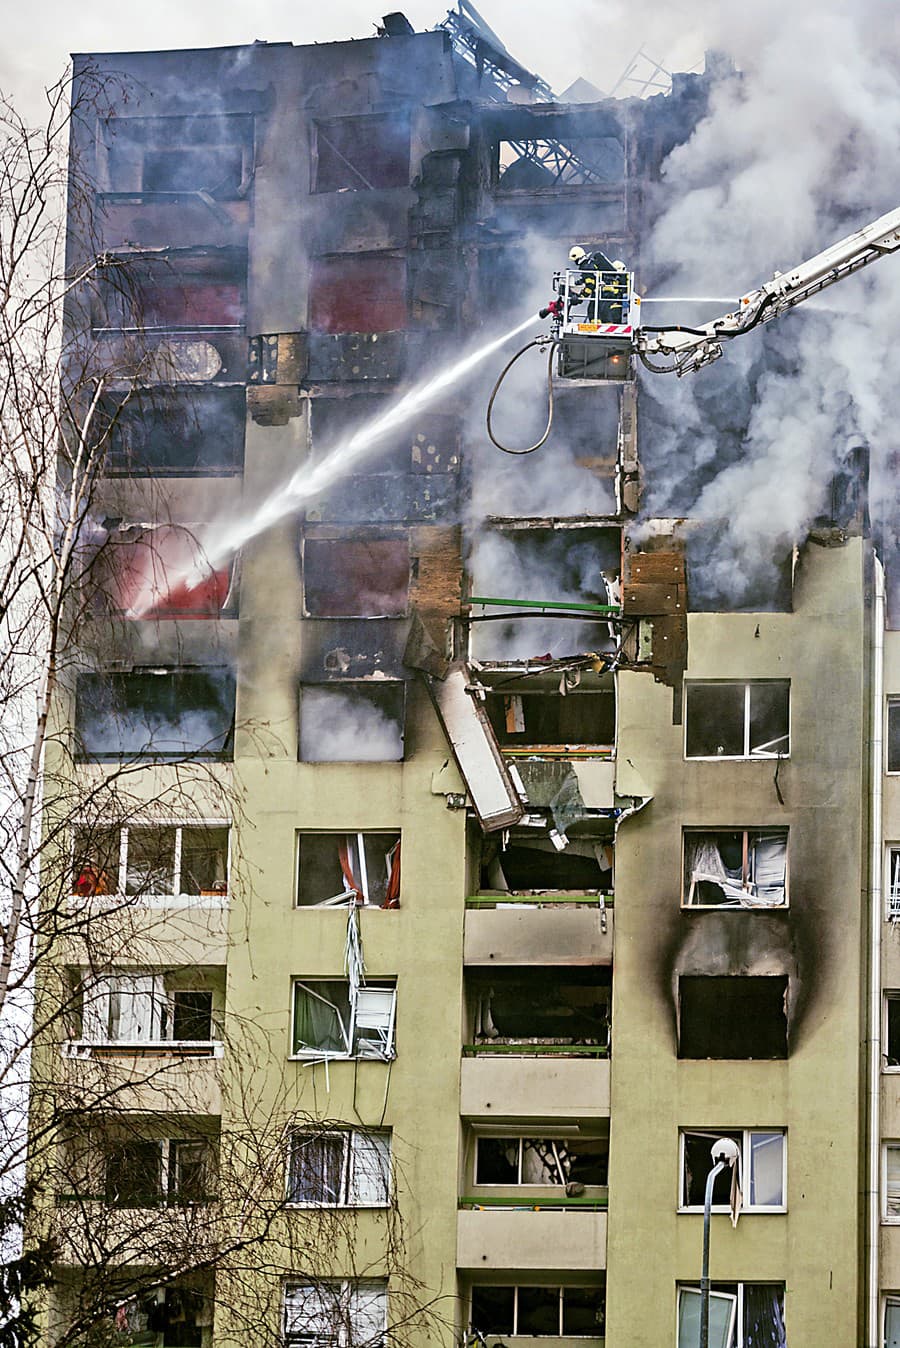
{"x":144,"y":155}
{"x":358,"y":154}
{"x":733,"y":1017}
{"x":524,"y":865}
{"x":358,"y":293}
{"x":362,"y":577}
{"x":352,"y":722}
{"x":157,"y":432}
{"x":154,"y":713}
{"x":526,"y":717}
{"x":561,"y":1007}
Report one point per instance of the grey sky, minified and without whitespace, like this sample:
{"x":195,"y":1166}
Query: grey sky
{"x":594,"y":38}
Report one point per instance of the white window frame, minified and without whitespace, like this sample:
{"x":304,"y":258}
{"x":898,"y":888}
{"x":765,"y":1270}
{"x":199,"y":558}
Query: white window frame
{"x":746,"y":1155}
{"x":96,"y":1010}
{"x":168,"y":1166}
{"x":359,"y":835}
{"x":736,"y":1331}
{"x":888,"y":1218}
{"x":374,"y":1011}
{"x":341,"y":1335}
{"x":749,"y":886}
{"x":162,"y":899}
{"x":892,"y":883}
{"x":764,"y":753}
{"x":355,"y":1143}
{"x":891,"y":701}
{"x":560,"y":1289}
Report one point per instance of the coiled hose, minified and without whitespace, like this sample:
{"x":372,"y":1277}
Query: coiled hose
{"x":536,"y":341}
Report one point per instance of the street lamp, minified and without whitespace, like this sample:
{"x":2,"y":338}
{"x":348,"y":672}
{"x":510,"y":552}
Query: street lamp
{"x":725,"y":1154}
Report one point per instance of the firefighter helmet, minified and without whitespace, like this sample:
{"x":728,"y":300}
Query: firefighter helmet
{"x":577,"y":255}
{"x":618,"y":265}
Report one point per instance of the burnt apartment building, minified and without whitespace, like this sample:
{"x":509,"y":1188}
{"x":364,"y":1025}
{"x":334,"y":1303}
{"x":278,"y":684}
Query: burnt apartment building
{"x":499,"y":870}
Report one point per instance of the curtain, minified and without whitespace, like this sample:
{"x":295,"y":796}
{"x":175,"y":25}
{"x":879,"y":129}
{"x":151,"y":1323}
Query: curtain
{"x":704,"y":862}
{"x":370,"y":1169}
{"x":392,"y":896}
{"x":317,"y":1167}
{"x":764,"y":1317}
{"x":768,"y":860}
{"x":345,"y":853}
{"x":317,"y":1023}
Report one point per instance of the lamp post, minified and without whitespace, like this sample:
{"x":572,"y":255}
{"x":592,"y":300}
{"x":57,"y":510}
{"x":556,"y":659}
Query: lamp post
{"x":724,"y":1154}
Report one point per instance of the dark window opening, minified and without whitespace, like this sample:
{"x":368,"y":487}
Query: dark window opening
{"x":527,"y":164}
{"x":134,"y":1174}
{"x":158,"y":860}
{"x":354,"y":722}
{"x":174,"y":292}
{"x":536,"y":1160}
{"x":523,"y":715}
{"x":738,"y":720}
{"x":558,"y":1007}
{"x":893,"y":735}
{"x":340,"y":868}
{"x":160,"y":572}
{"x":356,"y":577}
{"x":735,"y":868}
{"x":161,"y":433}
{"x":525,"y":864}
{"x":357,"y":154}
{"x":539,"y":1312}
{"x":735,"y":1017}
{"x":741,"y":1315}
{"x":358,"y":293}
{"x":892,"y":1054}
{"x":212,"y":155}
{"x":155,"y":714}
{"x":192,"y":1016}
{"x":335,"y":420}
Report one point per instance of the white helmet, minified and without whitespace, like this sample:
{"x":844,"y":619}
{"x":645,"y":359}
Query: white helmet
{"x":577,"y":254}
{"x":618,"y":265}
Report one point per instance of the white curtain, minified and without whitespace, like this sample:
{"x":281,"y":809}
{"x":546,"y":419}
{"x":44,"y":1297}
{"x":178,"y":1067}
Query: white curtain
{"x":370,"y":1172}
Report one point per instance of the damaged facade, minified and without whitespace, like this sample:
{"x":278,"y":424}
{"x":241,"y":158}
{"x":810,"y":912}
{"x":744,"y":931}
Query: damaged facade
{"x":632,"y":830}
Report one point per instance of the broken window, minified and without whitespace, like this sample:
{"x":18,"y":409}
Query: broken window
{"x":542,"y":1160}
{"x":524,"y":713}
{"x":331,"y":1022}
{"x":207,"y":156}
{"x":156,"y":860}
{"x":893,"y":734}
{"x":365,"y":577}
{"x":738,"y":720}
{"x":142,"y":1173}
{"x":741,"y":1315}
{"x":175,"y":432}
{"x":892,"y":1029}
{"x":155,"y":713}
{"x":534,"y":864}
{"x":557,"y":1009}
{"x":161,"y":571}
{"x":183,"y":290}
{"x":552,"y":1312}
{"x":333,"y":421}
{"x":340,"y":868}
{"x":134,"y":1010}
{"x":733,"y":1017}
{"x":893,"y":878}
{"x":358,"y":154}
{"x":357,"y":292}
{"x":763,"y":1154}
{"x":354,"y":722}
{"x":735,"y":868}
{"x":340,"y":1169}
{"x":336,"y":1314}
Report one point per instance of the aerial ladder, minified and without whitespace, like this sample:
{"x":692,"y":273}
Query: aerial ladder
{"x":597,"y":330}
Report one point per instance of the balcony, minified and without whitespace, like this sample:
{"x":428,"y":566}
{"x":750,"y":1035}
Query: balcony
{"x":538,"y":930}
{"x":90,"y":1229}
{"x":156,"y":1079}
{"x":534,"y":1088}
{"x":537,"y":1240}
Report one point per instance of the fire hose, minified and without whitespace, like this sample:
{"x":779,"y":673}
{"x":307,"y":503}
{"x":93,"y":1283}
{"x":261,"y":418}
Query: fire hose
{"x":536,"y":341}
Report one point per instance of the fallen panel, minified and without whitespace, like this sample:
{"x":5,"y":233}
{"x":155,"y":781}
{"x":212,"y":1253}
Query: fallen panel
{"x":476,"y":751}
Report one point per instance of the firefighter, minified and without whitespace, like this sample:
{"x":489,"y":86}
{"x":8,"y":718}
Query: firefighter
{"x":613,"y":282}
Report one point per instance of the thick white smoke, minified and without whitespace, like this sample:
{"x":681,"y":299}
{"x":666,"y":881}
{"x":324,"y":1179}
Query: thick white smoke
{"x":797,"y":152}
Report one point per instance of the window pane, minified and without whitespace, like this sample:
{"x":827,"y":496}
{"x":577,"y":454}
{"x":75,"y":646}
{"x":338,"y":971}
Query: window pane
{"x":539,"y":1310}
{"x":768,"y":866}
{"x":766,"y":1169}
{"x":715,"y":720}
{"x":892,"y":1181}
{"x":320,"y":1023}
{"x":151,"y":861}
{"x":317,"y":1167}
{"x":892,"y":1325}
{"x":893,"y":1031}
{"x":192,"y":1016}
{"x":492,"y":1309}
{"x":764,"y":1315}
{"x":697,"y":1165}
{"x":134,"y":1174}
{"x":368,"y":1314}
{"x":312,"y":1310}
{"x":371,"y":1172}
{"x":95,"y":864}
{"x":584,"y":1311}
{"x":893,"y":736}
{"x":204,"y":860}
{"x":722,"y":1308}
{"x":188,"y":1182}
{"x":497,"y":1160}
{"x":769,"y":718}
{"x":714,"y":868}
